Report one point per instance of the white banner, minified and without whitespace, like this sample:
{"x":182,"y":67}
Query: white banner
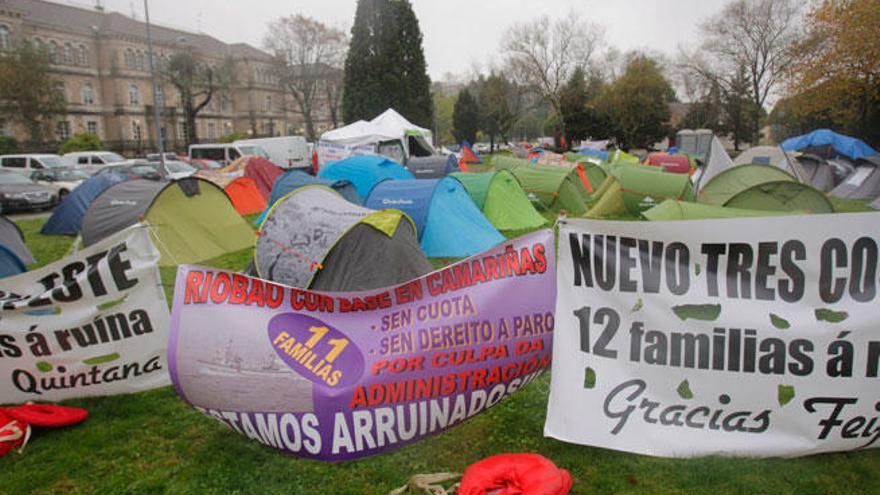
{"x":751,"y":337}
{"x":94,"y":323}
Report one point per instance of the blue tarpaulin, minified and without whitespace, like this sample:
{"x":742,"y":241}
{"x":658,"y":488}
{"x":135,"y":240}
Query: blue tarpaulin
{"x":364,"y":171}
{"x":602,"y":155}
{"x":68,"y":216}
{"x":844,"y":145}
{"x":449,"y":224}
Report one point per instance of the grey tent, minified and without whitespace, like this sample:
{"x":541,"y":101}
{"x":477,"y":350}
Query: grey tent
{"x":314,"y":239}
{"x":818,"y":171}
{"x":714,"y":161}
{"x":863,"y":183}
{"x":191,"y":220}
{"x":775,"y":156}
{"x":432,"y":167}
{"x":12,"y":237}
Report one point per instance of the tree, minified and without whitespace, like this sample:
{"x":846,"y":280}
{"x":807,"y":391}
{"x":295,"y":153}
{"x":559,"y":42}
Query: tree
{"x":304,"y":49}
{"x":706,"y":112}
{"x":29,"y":95}
{"x":444,"y":105}
{"x":385,"y":66}
{"x":638,"y":104}
{"x":81,"y":142}
{"x":755,"y":35}
{"x":465,"y":117}
{"x":741,"y":116}
{"x":196,"y":82}
{"x":501,"y":103}
{"x":836,"y":69}
{"x":545,"y":54}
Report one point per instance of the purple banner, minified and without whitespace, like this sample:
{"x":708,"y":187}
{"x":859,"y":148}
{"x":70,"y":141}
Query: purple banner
{"x":338,"y":376}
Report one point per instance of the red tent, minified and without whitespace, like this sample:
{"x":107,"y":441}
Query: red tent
{"x":258,"y":169}
{"x":245,"y":196}
{"x":677,"y":164}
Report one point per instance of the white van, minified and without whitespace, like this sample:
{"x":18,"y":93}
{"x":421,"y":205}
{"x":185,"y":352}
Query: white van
{"x":224,"y":153}
{"x":92,"y":159}
{"x":25,"y":164}
{"x":284,"y":151}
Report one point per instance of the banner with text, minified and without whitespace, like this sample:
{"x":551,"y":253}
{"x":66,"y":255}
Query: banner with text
{"x":752,"y":337}
{"x":94,"y":323}
{"x":343,"y":375}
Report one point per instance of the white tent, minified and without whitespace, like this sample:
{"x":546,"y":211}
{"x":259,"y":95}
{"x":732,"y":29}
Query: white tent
{"x":716,"y":161}
{"x":389,"y":134}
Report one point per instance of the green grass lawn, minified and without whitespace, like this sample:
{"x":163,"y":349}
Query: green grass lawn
{"x":153,"y":443}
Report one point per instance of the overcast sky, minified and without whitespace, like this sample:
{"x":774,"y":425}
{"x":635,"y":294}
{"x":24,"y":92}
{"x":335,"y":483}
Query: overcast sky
{"x":458,"y":34}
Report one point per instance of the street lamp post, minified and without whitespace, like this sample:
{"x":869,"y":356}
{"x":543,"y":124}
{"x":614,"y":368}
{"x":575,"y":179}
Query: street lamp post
{"x":157,"y":113}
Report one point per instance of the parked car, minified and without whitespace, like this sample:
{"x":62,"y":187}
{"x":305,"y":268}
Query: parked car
{"x":62,"y":180}
{"x":91,"y":161}
{"x":141,"y":170}
{"x":224,"y":153}
{"x":25,"y":164}
{"x":176,"y":169}
{"x":204,"y":164}
{"x":169,"y":156}
{"x":284,"y":151}
{"x":17,"y":192}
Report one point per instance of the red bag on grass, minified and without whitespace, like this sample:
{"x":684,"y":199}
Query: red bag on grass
{"x":515,"y":474}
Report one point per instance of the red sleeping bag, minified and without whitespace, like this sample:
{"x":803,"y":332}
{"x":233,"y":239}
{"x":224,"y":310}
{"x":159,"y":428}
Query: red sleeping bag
{"x":515,"y":474}
{"x":13,"y":433}
{"x":15,"y":422}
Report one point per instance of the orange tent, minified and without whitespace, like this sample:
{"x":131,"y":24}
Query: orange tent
{"x":245,"y":196}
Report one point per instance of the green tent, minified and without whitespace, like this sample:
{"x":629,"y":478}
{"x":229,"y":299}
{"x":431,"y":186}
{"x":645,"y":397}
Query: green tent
{"x":735,"y":180}
{"x":763,"y":187}
{"x":683,"y":210}
{"x":502,"y":200}
{"x":556,"y":188}
{"x":632,"y":189}
{"x":782,"y":196}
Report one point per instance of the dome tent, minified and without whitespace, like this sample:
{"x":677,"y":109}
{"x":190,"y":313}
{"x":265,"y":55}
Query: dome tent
{"x":432,"y":167}
{"x":686,"y":210}
{"x":191,"y":219}
{"x":67,"y":217}
{"x":773,"y":156}
{"x":556,"y":188}
{"x":295,"y":179}
{"x":13,"y":239}
{"x":245,"y":196}
{"x":258,"y":169}
{"x":501,"y":199}
{"x":448,"y":223}
{"x":863,"y":183}
{"x":759,"y":187}
{"x":355,"y":248}
{"x":632,"y":188}
{"x":364,"y":171}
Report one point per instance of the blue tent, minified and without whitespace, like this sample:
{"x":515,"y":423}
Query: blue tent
{"x":68,"y":216}
{"x":10,"y":263}
{"x":602,"y":155}
{"x":448,"y":222}
{"x":364,"y":171}
{"x":294,"y":179}
{"x":843,"y":145}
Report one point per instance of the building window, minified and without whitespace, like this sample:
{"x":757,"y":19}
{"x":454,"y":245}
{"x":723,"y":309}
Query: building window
{"x":62,"y":130}
{"x":139,"y":64}
{"x":67,"y":54}
{"x":53,"y":52}
{"x":38,"y":43}
{"x":88,"y":94}
{"x":3,"y":128}
{"x":62,"y":89}
{"x":225,"y":103}
{"x":212,"y":130}
{"x":4,"y":38}
{"x":135,"y":130}
{"x":92,"y":127}
{"x":267,"y":104}
{"x":83,"y":55}
{"x":160,"y":96}
{"x":134,"y":95}
{"x":181,"y":130}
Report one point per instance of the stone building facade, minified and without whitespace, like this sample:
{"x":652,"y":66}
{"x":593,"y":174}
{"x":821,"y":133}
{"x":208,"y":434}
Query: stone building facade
{"x":101,"y":61}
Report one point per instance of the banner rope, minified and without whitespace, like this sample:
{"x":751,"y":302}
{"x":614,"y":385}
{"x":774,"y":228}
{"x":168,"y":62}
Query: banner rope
{"x":155,"y":236}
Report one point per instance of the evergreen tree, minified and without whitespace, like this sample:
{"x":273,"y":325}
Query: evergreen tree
{"x":385,"y":67}
{"x":573,"y":105}
{"x":465,"y":117}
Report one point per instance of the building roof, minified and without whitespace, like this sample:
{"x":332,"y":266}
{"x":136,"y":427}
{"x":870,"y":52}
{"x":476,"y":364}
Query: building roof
{"x":87,"y":21}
